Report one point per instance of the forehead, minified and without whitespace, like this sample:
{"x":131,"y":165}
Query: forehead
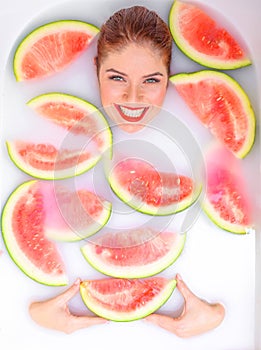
{"x":134,"y":58}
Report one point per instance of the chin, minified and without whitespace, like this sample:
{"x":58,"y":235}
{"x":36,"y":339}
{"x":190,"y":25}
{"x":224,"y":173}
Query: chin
{"x":131,"y":128}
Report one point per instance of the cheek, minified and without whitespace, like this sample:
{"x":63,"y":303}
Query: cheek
{"x":157,"y":97}
{"x":108,"y":94}
{"x":104,"y":93}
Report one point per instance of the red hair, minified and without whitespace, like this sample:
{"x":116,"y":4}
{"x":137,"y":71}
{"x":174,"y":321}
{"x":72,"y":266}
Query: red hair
{"x":136,"y":25}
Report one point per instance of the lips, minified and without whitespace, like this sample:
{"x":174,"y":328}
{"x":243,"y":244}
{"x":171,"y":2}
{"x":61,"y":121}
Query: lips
{"x":131,"y":114}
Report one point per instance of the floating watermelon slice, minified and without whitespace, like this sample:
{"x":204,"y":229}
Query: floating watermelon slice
{"x":73,"y":215}
{"x":203,"y":39}
{"x":75,"y":115}
{"x":227,"y":201}
{"x":221,"y":105}
{"x":134,"y":254}
{"x":126,"y":300}
{"x":52,"y":47}
{"x":142,"y":187}
{"x":24,"y":235}
{"x":44,"y":161}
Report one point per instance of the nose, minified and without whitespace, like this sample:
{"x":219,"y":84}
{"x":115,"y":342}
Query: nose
{"x":133,"y":93}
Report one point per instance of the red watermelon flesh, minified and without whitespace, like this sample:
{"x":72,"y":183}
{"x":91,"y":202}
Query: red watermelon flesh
{"x":138,"y":292}
{"x":224,"y":195}
{"x":53,"y":52}
{"x":77,"y":209}
{"x":215,"y":112}
{"x":71,"y":117}
{"x":52,"y":47}
{"x":76,"y":115}
{"x":210,"y":37}
{"x":131,"y":251}
{"x":154,"y":188}
{"x":204,"y":39}
{"x":73,"y":215}
{"x":227,"y":199}
{"x":28,"y":228}
{"x":45,"y":161}
{"x":122,"y":299}
{"x":222,"y":105}
{"x":48,"y":157}
{"x":23,"y":229}
{"x":136,"y":253}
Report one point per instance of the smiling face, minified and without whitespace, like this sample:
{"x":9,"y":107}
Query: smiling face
{"x":133,"y":85}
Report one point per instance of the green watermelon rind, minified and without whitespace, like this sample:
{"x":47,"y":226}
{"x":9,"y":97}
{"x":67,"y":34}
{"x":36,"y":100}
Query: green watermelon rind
{"x":50,"y":174}
{"x":71,"y":236}
{"x":193,"y":54}
{"x":156,"y":303}
{"x":82,"y":104}
{"x":221,"y":223}
{"x":182,"y":78}
{"x":137,"y":271}
{"x":148,"y":209}
{"x":46,"y":29}
{"x":16,"y":254}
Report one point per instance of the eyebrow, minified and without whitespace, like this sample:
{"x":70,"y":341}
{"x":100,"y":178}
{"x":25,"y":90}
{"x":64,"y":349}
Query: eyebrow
{"x":115,"y":71}
{"x":124,"y":74}
{"x":153,"y":74}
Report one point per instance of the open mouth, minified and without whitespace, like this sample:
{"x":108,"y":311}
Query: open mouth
{"x":131,"y":114}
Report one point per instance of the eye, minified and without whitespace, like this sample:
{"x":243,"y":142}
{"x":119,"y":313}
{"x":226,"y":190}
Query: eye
{"x":152,"y":80}
{"x":116,"y":78}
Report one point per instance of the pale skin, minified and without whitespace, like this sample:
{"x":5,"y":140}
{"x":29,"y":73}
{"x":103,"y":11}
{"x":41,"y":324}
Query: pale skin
{"x":198,"y":316}
{"x":133,"y":84}
{"x":55,"y":314}
{"x":132,"y":94}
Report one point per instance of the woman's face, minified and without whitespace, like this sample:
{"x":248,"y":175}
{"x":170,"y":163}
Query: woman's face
{"x":133,"y":85}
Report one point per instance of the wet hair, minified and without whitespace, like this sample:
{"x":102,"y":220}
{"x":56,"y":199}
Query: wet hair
{"x":136,"y":25}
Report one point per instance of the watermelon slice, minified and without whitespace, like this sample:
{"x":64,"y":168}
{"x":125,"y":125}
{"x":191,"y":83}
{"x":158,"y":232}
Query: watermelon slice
{"x":134,"y":254}
{"x":227,"y":201}
{"x":139,"y":185}
{"x":75,"y":115}
{"x":52,"y":47}
{"x":204,"y":40}
{"x":73,"y":215}
{"x":23,"y":232}
{"x":126,"y":300}
{"x":221,"y":105}
{"x":44,"y":161}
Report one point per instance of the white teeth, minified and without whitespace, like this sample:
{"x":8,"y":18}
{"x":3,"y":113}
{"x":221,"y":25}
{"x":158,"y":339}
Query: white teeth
{"x":135,"y":113}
